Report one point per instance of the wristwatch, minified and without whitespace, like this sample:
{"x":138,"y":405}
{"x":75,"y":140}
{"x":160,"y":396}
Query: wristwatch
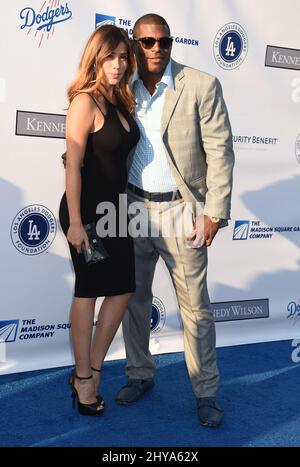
{"x":215,"y":220}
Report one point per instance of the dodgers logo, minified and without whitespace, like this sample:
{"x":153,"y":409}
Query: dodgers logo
{"x":297,"y":148}
{"x":230,"y":46}
{"x":33,"y":229}
{"x":241,"y":229}
{"x":158,"y":316}
{"x":100,"y":20}
{"x":8,"y":330}
{"x":293,"y":310}
{"x":43,"y":19}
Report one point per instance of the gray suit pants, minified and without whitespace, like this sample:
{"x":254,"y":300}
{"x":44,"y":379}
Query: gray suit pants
{"x":188,"y":270}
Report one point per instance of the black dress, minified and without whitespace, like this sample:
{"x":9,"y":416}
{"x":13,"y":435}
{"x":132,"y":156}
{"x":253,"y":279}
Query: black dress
{"x":104,"y":178}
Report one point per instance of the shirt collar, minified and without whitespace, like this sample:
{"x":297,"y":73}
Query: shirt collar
{"x":167,"y":77}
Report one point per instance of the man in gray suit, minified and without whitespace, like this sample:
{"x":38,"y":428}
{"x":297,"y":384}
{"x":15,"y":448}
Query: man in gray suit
{"x":184,"y":158}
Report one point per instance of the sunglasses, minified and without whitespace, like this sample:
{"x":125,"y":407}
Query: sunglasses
{"x":148,"y":42}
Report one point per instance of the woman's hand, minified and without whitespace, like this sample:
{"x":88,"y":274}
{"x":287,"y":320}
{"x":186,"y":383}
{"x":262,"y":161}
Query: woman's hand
{"x":76,"y":235}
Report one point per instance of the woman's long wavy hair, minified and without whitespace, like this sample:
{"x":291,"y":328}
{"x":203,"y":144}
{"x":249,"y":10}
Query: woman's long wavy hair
{"x":100,"y":45}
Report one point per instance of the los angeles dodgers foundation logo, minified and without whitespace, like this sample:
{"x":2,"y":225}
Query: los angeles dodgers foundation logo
{"x":158,"y":316}
{"x":33,"y":229}
{"x":230,"y":46}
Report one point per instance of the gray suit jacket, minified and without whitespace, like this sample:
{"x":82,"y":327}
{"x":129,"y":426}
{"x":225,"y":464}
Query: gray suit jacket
{"x":197,"y":137}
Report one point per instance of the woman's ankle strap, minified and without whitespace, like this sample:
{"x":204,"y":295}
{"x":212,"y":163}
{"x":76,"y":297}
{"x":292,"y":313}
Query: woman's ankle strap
{"x":82,"y":377}
{"x":95,"y":369}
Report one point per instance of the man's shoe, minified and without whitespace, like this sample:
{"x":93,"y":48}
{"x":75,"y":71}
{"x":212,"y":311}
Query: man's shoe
{"x":210,"y":413}
{"x":133,"y":390}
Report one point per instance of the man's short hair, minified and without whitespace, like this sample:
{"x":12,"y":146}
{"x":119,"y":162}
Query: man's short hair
{"x":150,"y":18}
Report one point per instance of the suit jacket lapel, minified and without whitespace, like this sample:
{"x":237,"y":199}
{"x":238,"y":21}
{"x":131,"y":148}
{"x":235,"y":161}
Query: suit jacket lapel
{"x":172,"y":95}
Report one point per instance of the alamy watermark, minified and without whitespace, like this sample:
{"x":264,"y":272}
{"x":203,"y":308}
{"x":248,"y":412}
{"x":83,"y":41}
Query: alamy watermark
{"x":296,"y":352}
{"x":158,"y":219}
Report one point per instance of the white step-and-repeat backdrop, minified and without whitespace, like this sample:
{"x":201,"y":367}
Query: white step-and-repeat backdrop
{"x":254,"y":279}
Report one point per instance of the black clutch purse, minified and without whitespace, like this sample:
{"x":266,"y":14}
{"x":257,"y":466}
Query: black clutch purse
{"x":98,"y":252}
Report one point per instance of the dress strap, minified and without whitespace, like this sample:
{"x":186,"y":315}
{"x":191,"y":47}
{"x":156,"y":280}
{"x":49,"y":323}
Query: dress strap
{"x":97,"y":104}
{"x":92,"y":97}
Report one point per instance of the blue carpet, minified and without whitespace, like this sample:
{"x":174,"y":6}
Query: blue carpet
{"x":259,"y":393}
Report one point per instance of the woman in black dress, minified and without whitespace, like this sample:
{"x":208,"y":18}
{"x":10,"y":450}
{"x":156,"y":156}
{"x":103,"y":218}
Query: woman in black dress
{"x":100,"y":132}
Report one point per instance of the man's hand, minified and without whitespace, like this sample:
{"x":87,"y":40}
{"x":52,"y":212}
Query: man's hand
{"x":210,"y":230}
{"x":204,"y":231}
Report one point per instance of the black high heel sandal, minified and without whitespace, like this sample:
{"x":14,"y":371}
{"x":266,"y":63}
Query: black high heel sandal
{"x":84,"y":409}
{"x":98,"y":396}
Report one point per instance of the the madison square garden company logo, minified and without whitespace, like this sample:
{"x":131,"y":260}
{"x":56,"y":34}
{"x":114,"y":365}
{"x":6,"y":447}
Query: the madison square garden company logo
{"x":8,"y":333}
{"x":33,"y":229}
{"x":127,"y":24}
{"x":256,"y":230}
{"x":8,"y":330}
{"x":41,"y":19}
{"x":230,"y":46}
{"x":101,"y":20}
{"x":26,"y":330}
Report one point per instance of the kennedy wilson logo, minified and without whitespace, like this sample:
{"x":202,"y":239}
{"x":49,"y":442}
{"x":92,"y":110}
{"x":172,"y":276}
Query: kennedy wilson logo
{"x":237,"y":310}
{"x":282,"y":57}
{"x":158,"y":316}
{"x":40,"y":124}
{"x":40,"y":22}
{"x":33,"y":229}
{"x":230,"y":46}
